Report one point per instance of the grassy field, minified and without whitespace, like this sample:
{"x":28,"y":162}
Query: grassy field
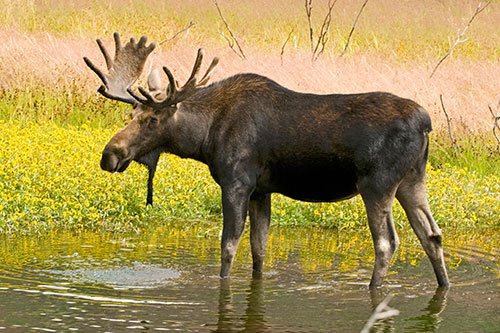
{"x":386,"y":28}
{"x":50,"y":178}
{"x":53,"y":125}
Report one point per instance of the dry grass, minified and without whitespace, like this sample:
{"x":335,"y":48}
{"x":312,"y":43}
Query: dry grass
{"x":392,"y":48}
{"x":405,"y":30}
{"x":29,"y":60}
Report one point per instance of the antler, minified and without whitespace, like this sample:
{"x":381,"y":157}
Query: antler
{"x":124,"y":69}
{"x":174,"y":93}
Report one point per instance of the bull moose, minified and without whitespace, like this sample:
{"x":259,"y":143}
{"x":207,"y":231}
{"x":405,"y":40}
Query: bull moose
{"x":259,"y":138}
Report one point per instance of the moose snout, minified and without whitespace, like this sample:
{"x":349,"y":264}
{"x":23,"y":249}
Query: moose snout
{"x":114,"y":159}
{"x":109,"y":161}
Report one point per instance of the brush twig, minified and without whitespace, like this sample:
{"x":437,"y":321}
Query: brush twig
{"x":317,"y":50}
{"x":353,"y":27}
{"x":496,"y":126}
{"x":382,"y":311}
{"x":309,"y":20}
{"x":448,"y":121}
{"x":325,"y":27}
{"x":284,"y":45}
{"x":240,"y":52}
{"x":459,"y":39}
{"x":189,"y":26}
{"x":230,"y":43}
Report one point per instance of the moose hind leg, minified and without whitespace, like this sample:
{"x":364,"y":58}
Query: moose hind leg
{"x":385,"y":239}
{"x":260,"y":215}
{"x":412,"y":196}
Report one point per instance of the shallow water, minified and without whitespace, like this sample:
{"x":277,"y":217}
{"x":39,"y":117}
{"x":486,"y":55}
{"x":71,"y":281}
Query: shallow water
{"x":315,"y":280}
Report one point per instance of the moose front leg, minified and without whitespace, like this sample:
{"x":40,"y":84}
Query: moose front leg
{"x":260,"y":216}
{"x":234,"y":208}
{"x":385,"y":239}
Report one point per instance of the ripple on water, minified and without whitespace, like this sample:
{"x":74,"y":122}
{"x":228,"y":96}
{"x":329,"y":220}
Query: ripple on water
{"x":138,"y":276}
{"x":310,"y":284}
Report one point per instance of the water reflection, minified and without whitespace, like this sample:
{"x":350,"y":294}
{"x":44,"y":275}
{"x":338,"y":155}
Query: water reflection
{"x":429,"y":321}
{"x":314,"y":281}
{"x":254,"y":318}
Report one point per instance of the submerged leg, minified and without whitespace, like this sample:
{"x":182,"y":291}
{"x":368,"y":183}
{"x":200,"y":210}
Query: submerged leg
{"x":260,"y":215}
{"x":234,"y":208}
{"x":411,"y":194}
{"x":378,"y":205}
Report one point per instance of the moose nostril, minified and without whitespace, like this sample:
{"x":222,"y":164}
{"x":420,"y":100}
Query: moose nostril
{"x":109,"y":161}
{"x":112,"y":156}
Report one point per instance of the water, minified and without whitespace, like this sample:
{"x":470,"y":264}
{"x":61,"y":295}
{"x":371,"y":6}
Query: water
{"x":165,"y":279}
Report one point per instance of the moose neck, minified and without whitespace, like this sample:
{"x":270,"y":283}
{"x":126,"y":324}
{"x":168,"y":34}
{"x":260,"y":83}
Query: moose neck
{"x":188,"y":132}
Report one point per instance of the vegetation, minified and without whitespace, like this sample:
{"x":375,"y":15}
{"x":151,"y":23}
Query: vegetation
{"x":53,"y":126}
{"x":399,"y":32}
{"x":50,"y":178}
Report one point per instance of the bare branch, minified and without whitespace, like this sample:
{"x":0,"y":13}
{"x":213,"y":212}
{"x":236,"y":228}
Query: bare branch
{"x":459,"y":40}
{"x":325,"y":27}
{"x":496,"y":126}
{"x":323,"y":33}
{"x":191,"y":24}
{"x":382,"y":311}
{"x":309,"y":20}
{"x":230,"y":43}
{"x":353,"y":27}
{"x":448,"y":121}
{"x":284,"y":45}
{"x":233,"y":37}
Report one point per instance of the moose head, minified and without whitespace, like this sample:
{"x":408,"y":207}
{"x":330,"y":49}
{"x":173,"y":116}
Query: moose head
{"x":146,"y":135}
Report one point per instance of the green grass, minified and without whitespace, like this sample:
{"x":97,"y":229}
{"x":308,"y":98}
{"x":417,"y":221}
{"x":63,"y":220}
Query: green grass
{"x":473,"y":150}
{"x":50,"y":179}
{"x":66,"y":106}
{"x":476,"y":151}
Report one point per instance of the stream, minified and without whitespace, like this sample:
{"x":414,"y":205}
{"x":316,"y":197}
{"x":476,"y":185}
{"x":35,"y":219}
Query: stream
{"x":315,"y":280}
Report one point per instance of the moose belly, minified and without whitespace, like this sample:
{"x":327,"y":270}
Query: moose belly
{"x":319,"y":182}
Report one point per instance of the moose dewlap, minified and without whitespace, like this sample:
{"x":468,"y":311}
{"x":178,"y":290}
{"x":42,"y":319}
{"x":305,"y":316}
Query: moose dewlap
{"x":259,"y":138}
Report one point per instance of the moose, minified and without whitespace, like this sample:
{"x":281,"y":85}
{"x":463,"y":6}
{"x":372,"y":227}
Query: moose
{"x":258,"y":138}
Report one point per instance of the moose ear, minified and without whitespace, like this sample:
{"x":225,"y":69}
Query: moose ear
{"x":154,"y":82}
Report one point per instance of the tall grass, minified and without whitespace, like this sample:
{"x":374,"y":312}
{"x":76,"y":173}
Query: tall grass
{"x":69,"y":107}
{"x":392,"y":49}
{"x":35,"y":71}
{"x":406,"y":30}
